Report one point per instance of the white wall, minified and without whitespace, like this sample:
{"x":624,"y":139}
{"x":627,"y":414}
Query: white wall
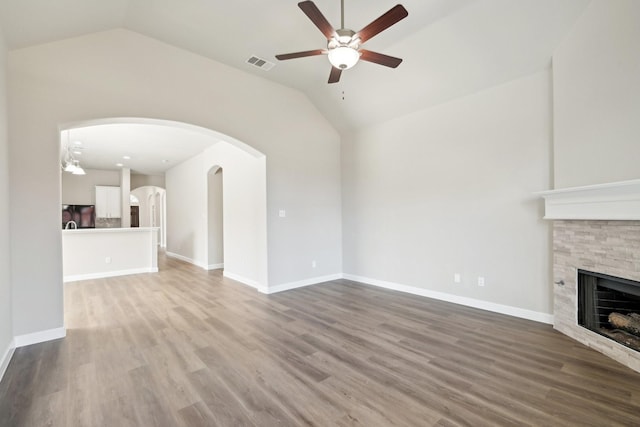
{"x":81,"y":189}
{"x":6,"y":322}
{"x":450,"y":190}
{"x":244,"y":214}
{"x":596,"y":85}
{"x":186,"y":210}
{"x":139,"y":180}
{"x":122,"y":74}
{"x":214,"y":218}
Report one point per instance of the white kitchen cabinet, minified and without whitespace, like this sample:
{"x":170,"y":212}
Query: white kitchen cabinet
{"x":108,"y":202}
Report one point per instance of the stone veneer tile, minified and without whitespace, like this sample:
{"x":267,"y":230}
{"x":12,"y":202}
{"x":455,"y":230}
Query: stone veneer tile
{"x":609,"y":247}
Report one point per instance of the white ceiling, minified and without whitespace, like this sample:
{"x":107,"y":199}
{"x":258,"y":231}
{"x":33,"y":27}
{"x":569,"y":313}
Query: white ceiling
{"x":450,"y":48}
{"x":152,"y":149}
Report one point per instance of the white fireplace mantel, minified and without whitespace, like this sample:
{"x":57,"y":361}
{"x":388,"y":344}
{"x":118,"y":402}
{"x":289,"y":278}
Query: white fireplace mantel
{"x":612,"y":201}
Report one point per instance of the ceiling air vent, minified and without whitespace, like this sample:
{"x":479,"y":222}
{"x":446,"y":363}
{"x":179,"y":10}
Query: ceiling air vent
{"x":260,"y":63}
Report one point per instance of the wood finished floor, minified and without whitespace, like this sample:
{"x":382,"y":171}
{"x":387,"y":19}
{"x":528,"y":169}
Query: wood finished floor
{"x":186,"y":347}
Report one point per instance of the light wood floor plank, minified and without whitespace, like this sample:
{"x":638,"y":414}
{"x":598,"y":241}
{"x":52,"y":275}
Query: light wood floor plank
{"x":186,"y":347}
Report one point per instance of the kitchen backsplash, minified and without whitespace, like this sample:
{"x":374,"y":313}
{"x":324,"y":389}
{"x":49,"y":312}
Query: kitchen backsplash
{"x":108,"y":223}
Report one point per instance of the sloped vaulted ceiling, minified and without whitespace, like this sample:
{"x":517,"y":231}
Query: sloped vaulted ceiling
{"x":450,"y":48}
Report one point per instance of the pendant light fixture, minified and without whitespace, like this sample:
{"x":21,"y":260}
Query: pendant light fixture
{"x":77,"y":169}
{"x":70,"y":164}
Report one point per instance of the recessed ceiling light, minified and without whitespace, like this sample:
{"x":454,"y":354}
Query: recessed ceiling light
{"x":119,"y":165}
{"x":126,"y":157}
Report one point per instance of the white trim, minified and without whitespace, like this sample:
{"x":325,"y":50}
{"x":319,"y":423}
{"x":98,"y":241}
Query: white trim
{"x":249,"y":282}
{"x":40,"y":336}
{"x":102,"y":275}
{"x":215,"y":266}
{"x":456,"y":299}
{"x":6,"y":358}
{"x":187,"y":259}
{"x":611,"y":201}
{"x":169,"y":123}
{"x":301,"y":283}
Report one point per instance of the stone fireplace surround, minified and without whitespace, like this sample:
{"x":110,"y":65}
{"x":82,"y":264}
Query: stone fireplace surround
{"x":595,"y":228}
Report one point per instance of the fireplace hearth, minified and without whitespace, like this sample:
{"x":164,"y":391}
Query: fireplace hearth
{"x":610,"y":306}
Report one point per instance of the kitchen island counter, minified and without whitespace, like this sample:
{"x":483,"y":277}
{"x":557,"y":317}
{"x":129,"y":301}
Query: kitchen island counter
{"x":91,"y":253}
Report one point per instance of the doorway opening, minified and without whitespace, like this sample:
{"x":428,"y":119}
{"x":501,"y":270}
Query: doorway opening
{"x":239,"y":237}
{"x":134,"y":203}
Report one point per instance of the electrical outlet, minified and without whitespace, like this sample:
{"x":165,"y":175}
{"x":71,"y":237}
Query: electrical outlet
{"x":282,"y":213}
{"x":107,"y":260}
{"x":480,"y":281}
{"x":457,"y":278}
{"x":313,"y":264}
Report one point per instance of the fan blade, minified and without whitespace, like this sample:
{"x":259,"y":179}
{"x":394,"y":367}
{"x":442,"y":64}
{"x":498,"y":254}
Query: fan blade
{"x":334,"y":77}
{"x":295,"y":55}
{"x":393,"y":15}
{"x":309,"y":8}
{"x":379,"y":58}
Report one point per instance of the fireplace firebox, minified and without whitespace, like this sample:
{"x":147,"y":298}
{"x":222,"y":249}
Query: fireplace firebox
{"x":610,"y":306}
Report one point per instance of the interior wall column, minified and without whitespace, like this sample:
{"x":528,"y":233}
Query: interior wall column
{"x":125,"y":191}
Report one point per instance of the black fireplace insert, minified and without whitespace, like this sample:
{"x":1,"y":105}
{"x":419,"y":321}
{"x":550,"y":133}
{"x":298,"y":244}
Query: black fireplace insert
{"x":610,"y":306}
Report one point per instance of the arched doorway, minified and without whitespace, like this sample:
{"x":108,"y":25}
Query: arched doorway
{"x":186,"y":236}
{"x":152,"y":208}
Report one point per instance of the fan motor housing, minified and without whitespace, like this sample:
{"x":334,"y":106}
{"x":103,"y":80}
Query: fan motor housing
{"x":344,"y":38}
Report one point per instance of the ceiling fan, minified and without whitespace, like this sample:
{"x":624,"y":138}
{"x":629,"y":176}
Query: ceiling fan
{"x":344,"y":46}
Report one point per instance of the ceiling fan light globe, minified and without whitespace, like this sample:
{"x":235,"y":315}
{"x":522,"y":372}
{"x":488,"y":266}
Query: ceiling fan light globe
{"x":344,"y":57}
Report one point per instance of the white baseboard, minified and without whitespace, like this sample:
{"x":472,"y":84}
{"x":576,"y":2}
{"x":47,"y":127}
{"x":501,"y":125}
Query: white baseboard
{"x":187,"y":259}
{"x":456,"y":299}
{"x":40,"y":336}
{"x":215,"y":266}
{"x":249,"y":282}
{"x":301,"y":283}
{"x":102,"y":275}
{"x":6,"y":358}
